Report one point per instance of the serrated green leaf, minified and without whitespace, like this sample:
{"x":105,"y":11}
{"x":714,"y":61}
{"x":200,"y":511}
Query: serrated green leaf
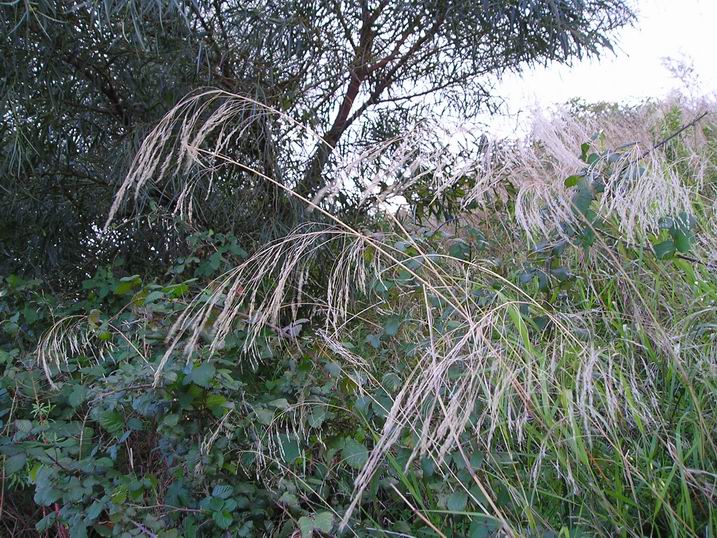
{"x":24,"y":426}
{"x":290,"y":448}
{"x":112,"y":422}
{"x":223,"y":519}
{"x":222,"y":491}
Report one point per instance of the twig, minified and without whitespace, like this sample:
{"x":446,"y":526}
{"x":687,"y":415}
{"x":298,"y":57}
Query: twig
{"x":674,"y":135}
{"x":661,"y":143}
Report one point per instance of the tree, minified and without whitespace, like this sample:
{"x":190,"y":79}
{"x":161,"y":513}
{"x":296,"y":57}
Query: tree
{"x":85,"y":81}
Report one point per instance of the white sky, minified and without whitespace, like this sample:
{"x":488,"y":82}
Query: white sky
{"x":678,"y":29}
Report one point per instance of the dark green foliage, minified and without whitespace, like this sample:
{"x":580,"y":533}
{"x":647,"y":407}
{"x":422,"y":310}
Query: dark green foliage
{"x":84,"y":82}
{"x":108,"y":454}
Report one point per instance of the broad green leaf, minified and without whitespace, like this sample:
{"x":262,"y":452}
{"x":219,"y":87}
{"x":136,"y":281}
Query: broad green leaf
{"x":324,"y":522}
{"x":217,"y":404}
{"x":153,"y":296}
{"x":77,"y":396}
{"x":222,"y":518}
{"x":374,"y":341}
{"x":317,"y":416}
{"x":119,"y":496}
{"x":222,"y":491}
{"x":584,"y":148}
{"x":15,"y":463}
{"x":355,"y":454}
{"x":665,"y":250}
{"x":290,"y":449}
{"x":95,"y":509}
{"x":112,"y":422}
{"x":457,"y":501}
{"x":289,"y":499}
{"x":24,"y":426}
{"x":483,"y":528}
{"x":127,"y":284}
{"x":280,"y":403}
{"x":460,"y":249}
{"x":682,"y":240}
{"x":265,"y":416}
{"x":202,"y":374}
{"x":391,"y":326}
{"x":306,"y":526}
{"x":216,"y":504}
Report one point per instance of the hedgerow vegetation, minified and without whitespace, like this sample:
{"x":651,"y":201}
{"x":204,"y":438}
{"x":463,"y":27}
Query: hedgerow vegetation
{"x":542,"y":363}
{"x":251,"y":285}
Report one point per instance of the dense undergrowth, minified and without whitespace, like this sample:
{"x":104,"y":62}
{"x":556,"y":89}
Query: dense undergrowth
{"x":544,"y":363}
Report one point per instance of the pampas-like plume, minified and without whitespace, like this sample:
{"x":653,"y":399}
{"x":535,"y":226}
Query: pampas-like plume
{"x":72,"y":336}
